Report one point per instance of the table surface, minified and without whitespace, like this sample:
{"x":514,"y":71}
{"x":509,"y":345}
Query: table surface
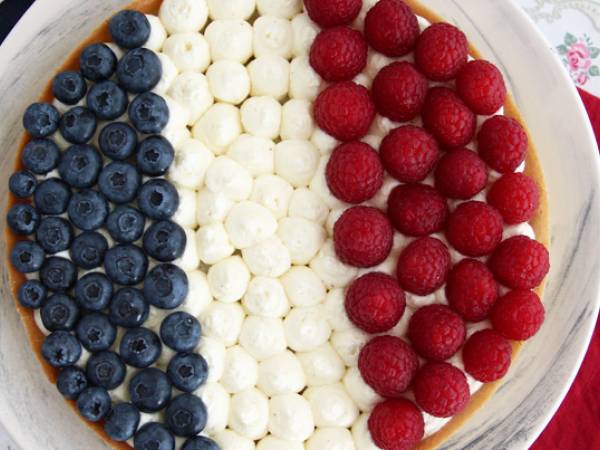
{"x":572,"y":28}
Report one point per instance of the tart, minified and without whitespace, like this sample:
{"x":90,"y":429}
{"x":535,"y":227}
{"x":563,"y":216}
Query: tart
{"x":277,"y":224}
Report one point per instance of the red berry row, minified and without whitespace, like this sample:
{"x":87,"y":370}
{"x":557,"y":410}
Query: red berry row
{"x":363,"y":236}
{"x":409,"y":154}
{"x":424,"y":266}
{"x":391,"y":366}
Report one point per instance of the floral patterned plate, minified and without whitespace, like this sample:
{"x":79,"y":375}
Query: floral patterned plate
{"x":573,"y":29}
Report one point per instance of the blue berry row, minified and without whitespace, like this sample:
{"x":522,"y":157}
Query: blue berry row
{"x":67,"y":214}
{"x":88,"y":209}
{"x":165,"y":286}
{"x":139,"y":348}
{"x":137,"y":72}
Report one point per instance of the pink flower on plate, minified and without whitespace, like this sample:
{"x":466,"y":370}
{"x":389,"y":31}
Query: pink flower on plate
{"x":579,"y":56}
{"x":581,"y":78}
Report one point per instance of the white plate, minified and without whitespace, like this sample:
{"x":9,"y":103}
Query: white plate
{"x":35,"y":415}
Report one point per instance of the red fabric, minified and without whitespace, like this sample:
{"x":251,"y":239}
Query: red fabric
{"x":592,"y":104}
{"x":575,"y":425}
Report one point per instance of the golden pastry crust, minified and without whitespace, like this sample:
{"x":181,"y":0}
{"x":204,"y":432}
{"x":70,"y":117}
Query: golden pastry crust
{"x":539,"y":223}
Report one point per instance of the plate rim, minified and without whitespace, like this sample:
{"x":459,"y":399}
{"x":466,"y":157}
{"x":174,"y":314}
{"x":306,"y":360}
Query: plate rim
{"x":34,"y":20}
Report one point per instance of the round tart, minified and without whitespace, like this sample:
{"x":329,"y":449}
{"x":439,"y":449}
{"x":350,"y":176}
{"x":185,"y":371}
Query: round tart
{"x":277,"y":224}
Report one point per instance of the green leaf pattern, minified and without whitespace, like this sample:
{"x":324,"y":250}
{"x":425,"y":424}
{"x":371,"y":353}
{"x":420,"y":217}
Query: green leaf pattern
{"x":578,"y":54}
{"x":570,"y":39}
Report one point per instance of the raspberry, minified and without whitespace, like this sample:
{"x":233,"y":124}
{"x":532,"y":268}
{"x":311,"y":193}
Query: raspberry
{"x":436,"y":332}
{"x":518,"y":315}
{"x":423,"y":266}
{"x":409,"y":153}
{"x":354,"y":172}
{"x":486,"y":356}
{"x":441,"y":389}
{"x":417,"y":209}
{"x":388,"y":365}
{"x":396,"y":424}
{"x":329,"y":13}
{"x":460,"y":174}
{"x":441,"y":51}
{"x":391,"y":28}
{"x":375,"y":302}
{"x":399,"y":91}
{"x":502,"y":143}
{"x":481,"y":85}
{"x":474,"y":228}
{"x":446,"y":116}
{"x":362,"y":236}
{"x":515,"y":196}
{"x":338,"y":54}
{"x":345,"y":111}
{"x":471,"y":290}
{"x":520,"y":263}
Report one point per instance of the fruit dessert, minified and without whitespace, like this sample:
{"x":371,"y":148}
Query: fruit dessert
{"x":277,"y":225}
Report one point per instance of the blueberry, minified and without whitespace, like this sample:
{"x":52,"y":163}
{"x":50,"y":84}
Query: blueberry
{"x":166,"y":286}
{"x":52,"y":196}
{"x":117,"y":141}
{"x":69,"y":87}
{"x":153,"y":436}
{"x":158,"y":199}
{"x":119,"y":182}
{"x":93,"y":291}
{"x":88,"y":210}
{"x":105,"y":369}
{"x":139,"y":70}
{"x":125,"y":224}
{"x":128,"y":308}
{"x":94,"y":403}
{"x":122,"y":422}
{"x":154,"y":156}
{"x":61,"y":349}
{"x":22,"y":183}
{"x":80,"y":166}
{"x":78,"y":125}
{"x":58,"y":274}
{"x":187,"y":371}
{"x":149,"y":113}
{"x":41,"y":119}
{"x":125,"y":264}
{"x":140,"y":347}
{"x":54,"y":234}
{"x":41,"y":156}
{"x":164,"y":241}
{"x":71,"y":382}
{"x":180,"y":331}
{"x":60,"y":313}
{"x":186,"y":415}
{"x":200,"y":443}
{"x":32,"y":294}
{"x":150,"y":390}
{"x":96,"y":333}
{"x":97,"y":62}
{"x":23,"y":219}
{"x":27,"y":257}
{"x":107,"y":100}
{"x":88,"y":250}
{"x":129,"y":29}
